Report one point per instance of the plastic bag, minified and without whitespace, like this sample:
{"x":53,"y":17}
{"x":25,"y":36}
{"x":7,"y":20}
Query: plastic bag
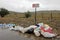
{"x":40,"y":24}
{"x":47,"y":27}
{"x":32,"y":26}
{"x":27,"y":29}
{"x":37,"y":31}
{"x":47,"y":34}
{"x":14,"y":28}
{"x":30,"y":31}
{"x":46,"y":31}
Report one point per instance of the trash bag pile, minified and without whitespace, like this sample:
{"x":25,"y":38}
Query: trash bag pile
{"x":38,"y":29}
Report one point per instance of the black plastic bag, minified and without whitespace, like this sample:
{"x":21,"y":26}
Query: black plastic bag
{"x":30,"y":31}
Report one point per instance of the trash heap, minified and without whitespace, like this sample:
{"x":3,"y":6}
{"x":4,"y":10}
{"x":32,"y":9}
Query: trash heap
{"x":38,"y":29}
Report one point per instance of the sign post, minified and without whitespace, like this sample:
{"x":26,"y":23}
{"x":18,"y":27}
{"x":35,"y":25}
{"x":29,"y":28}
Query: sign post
{"x":51,"y":16}
{"x":35,"y":6}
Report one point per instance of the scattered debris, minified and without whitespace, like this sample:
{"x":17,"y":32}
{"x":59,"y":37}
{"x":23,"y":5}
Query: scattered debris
{"x":38,"y":29}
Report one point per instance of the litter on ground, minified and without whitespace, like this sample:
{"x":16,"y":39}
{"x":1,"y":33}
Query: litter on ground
{"x":38,"y":29}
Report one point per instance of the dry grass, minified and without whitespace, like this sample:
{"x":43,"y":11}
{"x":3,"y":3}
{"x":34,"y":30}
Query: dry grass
{"x":41,"y":17}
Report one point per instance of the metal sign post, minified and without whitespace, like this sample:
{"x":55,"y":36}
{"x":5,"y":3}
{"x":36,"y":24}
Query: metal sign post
{"x":51,"y":16}
{"x":35,"y":6}
{"x":35,"y":15}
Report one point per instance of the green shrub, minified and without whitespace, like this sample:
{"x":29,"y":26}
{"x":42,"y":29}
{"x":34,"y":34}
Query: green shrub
{"x":27,"y":14}
{"x":3,"y":12}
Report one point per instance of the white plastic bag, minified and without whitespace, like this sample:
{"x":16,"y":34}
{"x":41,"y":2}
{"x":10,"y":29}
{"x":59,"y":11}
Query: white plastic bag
{"x":14,"y":28}
{"x":46,"y":31}
{"x":47,"y":34}
{"x":37,"y":31}
{"x":23,"y":30}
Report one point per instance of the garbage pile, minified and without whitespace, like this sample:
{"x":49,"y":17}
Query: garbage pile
{"x":38,"y":29}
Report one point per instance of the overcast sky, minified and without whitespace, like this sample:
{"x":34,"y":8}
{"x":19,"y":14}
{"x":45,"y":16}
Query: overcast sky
{"x":25,"y":5}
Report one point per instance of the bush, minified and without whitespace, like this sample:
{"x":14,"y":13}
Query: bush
{"x":27,"y":14}
{"x":3,"y":12}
